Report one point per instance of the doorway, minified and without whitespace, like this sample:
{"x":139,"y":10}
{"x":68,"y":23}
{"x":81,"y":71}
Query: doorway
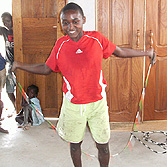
{"x":6,"y":6}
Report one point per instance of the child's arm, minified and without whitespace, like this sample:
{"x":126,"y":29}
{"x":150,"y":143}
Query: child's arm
{"x":126,"y":52}
{"x":23,"y":102}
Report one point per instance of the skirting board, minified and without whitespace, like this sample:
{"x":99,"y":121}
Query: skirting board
{"x":144,"y":126}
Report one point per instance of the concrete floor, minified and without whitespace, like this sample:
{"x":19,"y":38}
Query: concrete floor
{"x":42,"y":147}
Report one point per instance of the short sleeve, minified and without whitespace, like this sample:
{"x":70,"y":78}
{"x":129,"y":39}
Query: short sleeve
{"x":108,"y":46}
{"x":51,"y":62}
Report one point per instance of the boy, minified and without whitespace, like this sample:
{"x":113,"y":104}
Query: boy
{"x":78,"y":56}
{"x":31,"y":116}
{"x":7,"y":33}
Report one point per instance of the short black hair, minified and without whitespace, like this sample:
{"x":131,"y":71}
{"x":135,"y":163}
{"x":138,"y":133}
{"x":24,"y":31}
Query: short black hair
{"x":6,"y":14}
{"x":72,"y":6}
{"x":35,"y":88}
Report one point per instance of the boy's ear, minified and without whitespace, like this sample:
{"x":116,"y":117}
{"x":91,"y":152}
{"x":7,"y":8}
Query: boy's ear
{"x":84,"y":20}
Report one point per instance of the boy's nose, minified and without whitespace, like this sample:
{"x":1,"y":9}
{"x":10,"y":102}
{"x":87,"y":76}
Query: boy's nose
{"x":71,"y":26}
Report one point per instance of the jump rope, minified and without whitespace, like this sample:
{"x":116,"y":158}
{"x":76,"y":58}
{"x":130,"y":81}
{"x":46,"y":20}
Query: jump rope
{"x":25,"y":96}
{"x":146,"y":135}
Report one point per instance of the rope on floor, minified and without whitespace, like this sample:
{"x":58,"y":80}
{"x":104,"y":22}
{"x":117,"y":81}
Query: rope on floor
{"x":147,"y":138}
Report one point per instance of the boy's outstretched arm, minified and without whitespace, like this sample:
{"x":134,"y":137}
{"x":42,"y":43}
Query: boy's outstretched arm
{"x":40,"y":68}
{"x":126,"y":52}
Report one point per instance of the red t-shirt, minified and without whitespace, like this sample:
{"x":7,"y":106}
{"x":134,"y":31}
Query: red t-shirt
{"x":80,"y":63}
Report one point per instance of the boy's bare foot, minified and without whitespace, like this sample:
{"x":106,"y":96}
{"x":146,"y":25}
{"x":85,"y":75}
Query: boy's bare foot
{"x":11,"y":115}
{"x":3,"y":130}
{"x":27,"y":126}
{"x":22,"y":125}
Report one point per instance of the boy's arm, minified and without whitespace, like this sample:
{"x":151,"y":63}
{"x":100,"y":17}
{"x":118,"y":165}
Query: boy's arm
{"x":126,"y":53}
{"x":40,"y":68}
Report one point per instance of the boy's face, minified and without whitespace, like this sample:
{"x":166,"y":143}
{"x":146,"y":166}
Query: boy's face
{"x":31,"y":93}
{"x":72,"y":24}
{"x":7,"y":22}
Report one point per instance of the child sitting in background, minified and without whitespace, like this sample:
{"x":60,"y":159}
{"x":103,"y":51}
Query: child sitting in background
{"x":28,"y":115}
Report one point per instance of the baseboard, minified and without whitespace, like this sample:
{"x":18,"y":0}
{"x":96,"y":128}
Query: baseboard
{"x":144,"y":126}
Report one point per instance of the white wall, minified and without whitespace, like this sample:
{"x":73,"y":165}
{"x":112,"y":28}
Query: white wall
{"x":89,"y":11}
{"x":88,"y":8}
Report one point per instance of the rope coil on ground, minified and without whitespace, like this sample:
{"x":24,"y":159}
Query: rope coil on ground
{"x":147,"y":138}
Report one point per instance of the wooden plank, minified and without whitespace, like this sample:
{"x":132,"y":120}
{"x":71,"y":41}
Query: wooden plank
{"x":161,"y":51}
{"x":155,"y":99}
{"x":39,"y":35}
{"x":162,"y":23}
{"x":122,"y":22}
{"x":120,"y":89}
{"x":138,"y":23}
{"x":35,"y":27}
{"x":50,"y":8}
{"x":17,"y":31}
{"x":32,"y":8}
{"x":102,"y":17}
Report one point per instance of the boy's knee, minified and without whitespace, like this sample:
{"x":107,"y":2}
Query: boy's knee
{"x":75,"y":146}
{"x":103,"y":148}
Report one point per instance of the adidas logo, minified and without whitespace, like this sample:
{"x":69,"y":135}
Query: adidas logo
{"x":79,"y":51}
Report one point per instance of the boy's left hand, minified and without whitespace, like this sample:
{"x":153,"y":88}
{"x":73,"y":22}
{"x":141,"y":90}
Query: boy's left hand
{"x":152,"y":55}
{"x":153,"y":58}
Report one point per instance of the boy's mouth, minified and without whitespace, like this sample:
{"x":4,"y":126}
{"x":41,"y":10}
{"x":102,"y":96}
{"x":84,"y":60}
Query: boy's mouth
{"x":71,"y":32}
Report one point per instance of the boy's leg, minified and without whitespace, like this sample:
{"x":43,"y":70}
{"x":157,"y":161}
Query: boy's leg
{"x":2,"y":84}
{"x":10,"y":88}
{"x":103,"y":154}
{"x":1,"y":108}
{"x":12,"y":99}
{"x":71,"y":127}
{"x":98,"y":121}
{"x":27,"y":113}
{"x":20,"y":119}
{"x":75,"y":149}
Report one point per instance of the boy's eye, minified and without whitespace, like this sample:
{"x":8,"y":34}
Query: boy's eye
{"x":75,"y":22}
{"x":65,"y":23}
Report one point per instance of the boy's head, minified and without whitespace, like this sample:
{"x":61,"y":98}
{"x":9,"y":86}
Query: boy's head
{"x":7,"y":20}
{"x":32,"y":91}
{"x":72,"y":6}
{"x":72,"y":20}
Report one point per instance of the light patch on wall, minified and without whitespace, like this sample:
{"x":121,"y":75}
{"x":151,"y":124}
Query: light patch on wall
{"x":88,"y":7}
